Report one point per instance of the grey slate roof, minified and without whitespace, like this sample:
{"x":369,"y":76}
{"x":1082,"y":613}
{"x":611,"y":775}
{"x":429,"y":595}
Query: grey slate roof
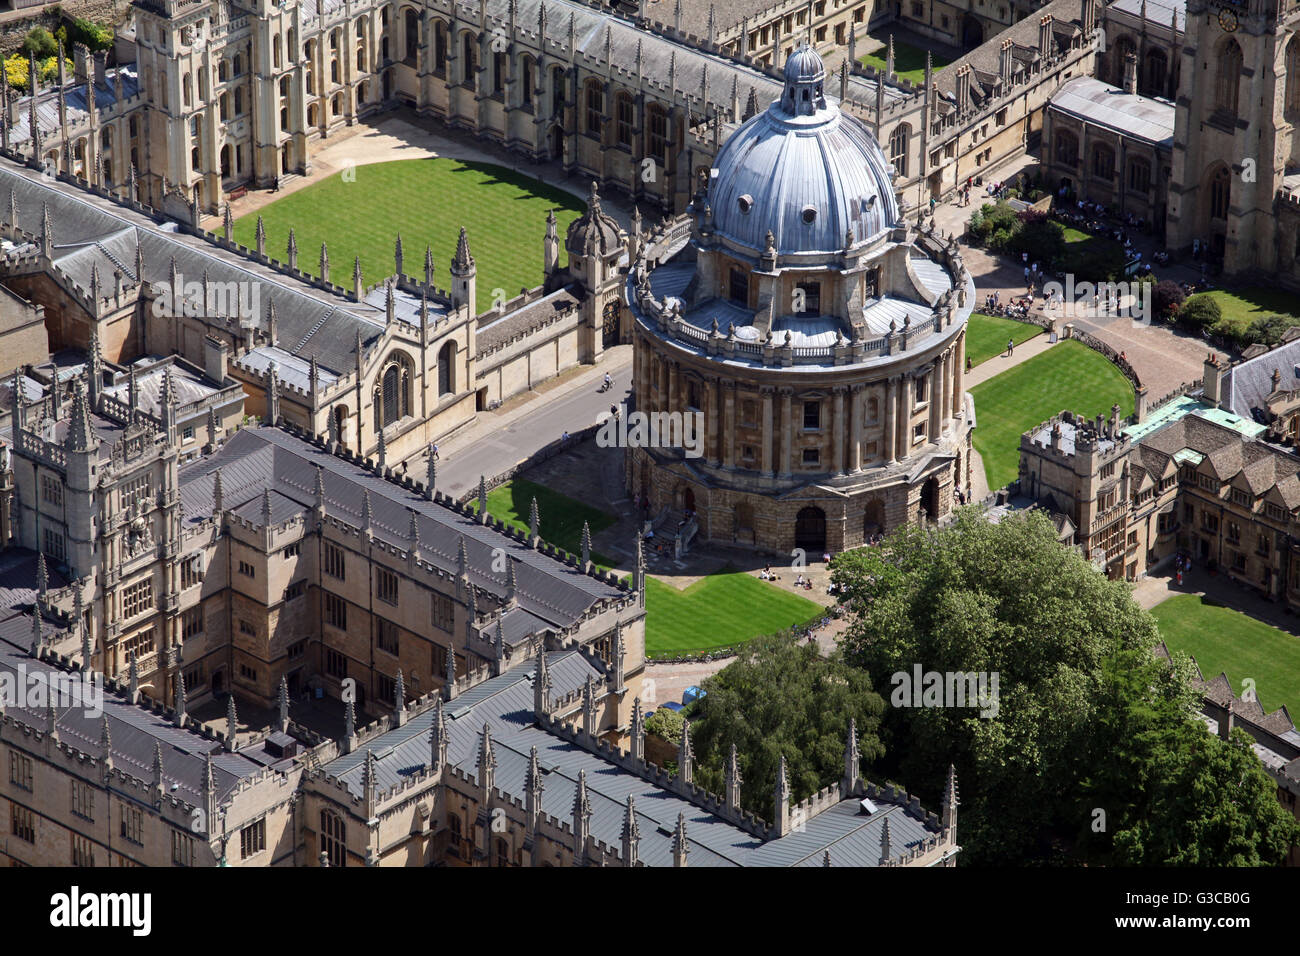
{"x":1137,"y":117}
{"x":75,"y":104}
{"x":1158,"y":12}
{"x":1249,"y":383}
{"x":256,"y":459}
{"x":505,"y":704}
{"x":133,"y":730}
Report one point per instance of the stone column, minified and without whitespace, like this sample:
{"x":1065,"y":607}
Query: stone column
{"x":767,"y":432}
{"x":710,"y":402}
{"x":728,"y":433}
{"x":906,"y":398}
{"x":787,"y":431}
{"x":891,"y":420}
{"x":837,"y":431}
{"x":958,"y":373}
{"x":856,"y":412}
{"x":674,"y":401}
{"x":936,"y":398}
{"x":949,"y":358}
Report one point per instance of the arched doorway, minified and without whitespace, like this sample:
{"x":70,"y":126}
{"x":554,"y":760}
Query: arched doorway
{"x":609,"y":324}
{"x":810,"y":531}
{"x":930,"y":500}
{"x":972,"y":32}
{"x":557,"y":143}
{"x":873,"y":519}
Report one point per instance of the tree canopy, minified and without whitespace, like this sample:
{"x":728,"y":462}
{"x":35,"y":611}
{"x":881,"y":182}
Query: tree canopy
{"x":1087,"y":717}
{"x":781,"y":697}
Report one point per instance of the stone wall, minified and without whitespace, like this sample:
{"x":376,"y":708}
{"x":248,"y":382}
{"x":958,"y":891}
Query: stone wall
{"x":99,"y":11}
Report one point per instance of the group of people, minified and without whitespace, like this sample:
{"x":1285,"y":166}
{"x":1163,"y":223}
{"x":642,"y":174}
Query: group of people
{"x":1182,"y":562}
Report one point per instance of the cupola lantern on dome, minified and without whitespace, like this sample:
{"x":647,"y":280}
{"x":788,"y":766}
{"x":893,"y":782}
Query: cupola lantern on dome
{"x":805,"y":169}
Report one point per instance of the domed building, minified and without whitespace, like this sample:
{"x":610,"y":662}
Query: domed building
{"x":817,"y":335}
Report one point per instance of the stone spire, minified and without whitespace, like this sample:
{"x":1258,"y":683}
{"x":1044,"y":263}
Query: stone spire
{"x":637,"y":735}
{"x":216,"y":493}
{"x":685,"y":755}
{"x":79,"y":615}
{"x":320,"y":491}
{"x":349,"y":725}
{"x":950,"y":802}
{"x":512,"y":585}
{"x":589,"y":707}
{"x":357,"y":286}
{"x":397,"y":254}
{"x":105,"y":748}
{"x":852,"y":761}
{"x":260,"y":237}
{"x":449,"y":674}
{"x":399,"y":700}
{"x":886,"y":845}
{"x":428,"y":267}
{"x":751,"y":105}
{"x":620,"y":657}
{"x":38,"y":636}
{"x":413,"y":534}
{"x":232,"y":724}
{"x":533,"y":788}
{"x":266,"y":508}
{"x":581,"y":820}
{"x":81,"y":436}
{"x":228,"y":224}
{"x":462,"y":561}
{"x":482,"y":515}
{"x":499,"y":647}
{"x":390,"y":302}
{"x":133,"y":681}
{"x":370,"y":783}
{"x":282,"y":703}
{"x":551,"y":243}
{"x":586,"y":546}
{"x":734,"y":780}
{"x":438,"y":738}
{"x":431,"y":478}
{"x":631,"y":834}
{"x":681,"y":845}
{"x":781,"y":799}
{"x":487,"y":764}
{"x":367,"y":515}
{"x":542,"y":687}
{"x":157,"y":772}
{"x":382,"y":451}
{"x":291,"y":249}
{"x":534,"y":522}
{"x":42,"y":576}
{"x":324,"y":262}
{"x":47,"y":232}
{"x":180,"y":699}
{"x":638,"y":579}
{"x":462,"y":262}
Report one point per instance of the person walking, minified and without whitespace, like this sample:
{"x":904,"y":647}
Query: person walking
{"x":434,"y":451}
{"x":1011,"y":347}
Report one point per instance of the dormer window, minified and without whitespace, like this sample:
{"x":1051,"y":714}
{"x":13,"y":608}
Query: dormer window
{"x":746,"y":203}
{"x":809,"y":213}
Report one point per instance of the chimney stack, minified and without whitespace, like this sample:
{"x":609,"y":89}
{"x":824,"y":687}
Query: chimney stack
{"x":1130,"y":73}
{"x":1045,"y":36}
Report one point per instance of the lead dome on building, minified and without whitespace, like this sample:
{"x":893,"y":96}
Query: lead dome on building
{"x":817,"y":334}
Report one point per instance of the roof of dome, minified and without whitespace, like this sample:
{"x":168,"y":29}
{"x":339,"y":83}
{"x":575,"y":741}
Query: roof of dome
{"x":594,"y":226}
{"x":803,"y":169}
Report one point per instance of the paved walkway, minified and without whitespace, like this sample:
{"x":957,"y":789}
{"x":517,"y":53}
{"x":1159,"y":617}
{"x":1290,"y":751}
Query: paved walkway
{"x":1000,"y":363}
{"x":500,"y":439}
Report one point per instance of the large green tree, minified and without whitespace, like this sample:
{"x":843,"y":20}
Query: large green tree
{"x":1087,"y":717}
{"x":782,"y":698}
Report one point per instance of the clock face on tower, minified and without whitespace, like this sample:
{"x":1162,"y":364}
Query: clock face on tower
{"x":1228,"y":20}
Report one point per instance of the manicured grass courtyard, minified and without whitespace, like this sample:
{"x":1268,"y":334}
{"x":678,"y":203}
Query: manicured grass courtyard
{"x":720,"y":610}
{"x":560,"y":517}
{"x":986,"y":335}
{"x":426,"y":201}
{"x":1242,"y":307}
{"x":909,"y":61}
{"x":1226,"y":641}
{"x":1069,"y":375}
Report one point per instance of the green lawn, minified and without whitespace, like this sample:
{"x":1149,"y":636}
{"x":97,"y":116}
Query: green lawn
{"x":1242,"y":307}
{"x":1069,"y":375}
{"x":909,"y":61}
{"x":1091,"y":258}
{"x":427,"y":201}
{"x":560,"y":517}
{"x":717,"y":611}
{"x":986,"y":335}
{"x":1226,"y":641}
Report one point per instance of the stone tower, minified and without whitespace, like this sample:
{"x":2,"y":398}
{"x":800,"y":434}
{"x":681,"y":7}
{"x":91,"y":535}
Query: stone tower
{"x":595,"y":242}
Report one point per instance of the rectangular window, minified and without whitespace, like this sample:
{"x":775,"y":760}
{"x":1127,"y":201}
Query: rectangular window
{"x":138,"y":598}
{"x":386,"y":636}
{"x":812,"y":456}
{"x":247,"y":569}
{"x":22,"y":823}
{"x":132,"y":826}
{"x":191,"y":571}
{"x":625,"y":120}
{"x":336,"y":665}
{"x":812,"y":415}
{"x":83,"y":851}
{"x":444,"y":613}
{"x":252,"y":839}
{"x":293,"y":550}
{"x":247,"y":628}
{"x":187,"y":433}
{"x":385,"y":688}
{"x":334,"y":565}
{"x":247,"y":672}
{"x":52,"y":489}
{"x":138,"y":645}
{"x":83,"y":800}
{"x":20,"y":770}
{"x":386,"y":586}
{"x":295,"y":590}
{"x":182,"y":849}
{"x":194,"y":676}
{"x":336,"y":612}
{"x":54,"y":546}
{"x":192,"y":623}
{"x":297,"y":650}
{"x":134,"y":490}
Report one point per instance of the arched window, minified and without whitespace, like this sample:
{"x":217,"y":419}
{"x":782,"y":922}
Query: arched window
{"x":411,"y":20}
{"x":469,"y":52}
{"x":333,"y":838}
{"x":595,"y":95}
{"x":439,"y":46}
{"x":239,"y":101}
{"x":657,"y":123}
{"x":503,"y":851}
{"x":1220,"y":192}
{"x":898,"y":147}
{"x":526,"y":71}
{"x":447,"y":369}
{"x":1228,"y":76}
{"x":499,"y":70}
{"x":1157,"y":73}
{"x":1103,"y":161}
{"x":557,"y":90}
{"x":1067,"y":147}
{"x":394,"y":391}
{"x":1139,"y":175}
{"x":1293,"y":75}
